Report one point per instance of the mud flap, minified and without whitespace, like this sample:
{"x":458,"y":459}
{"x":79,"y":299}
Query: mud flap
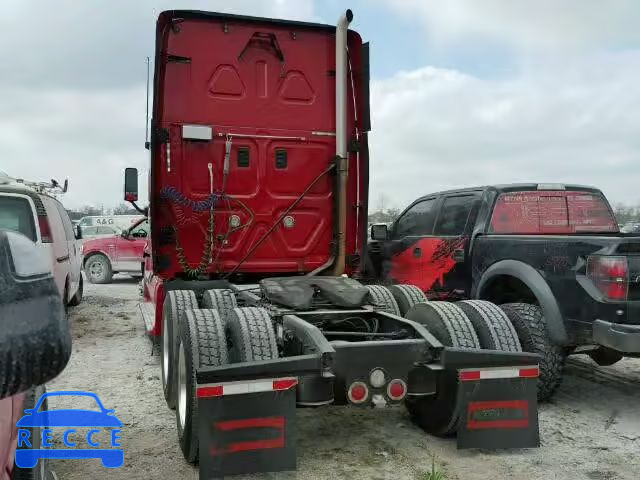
{"x":246,"y":427}
{"x":498,"y":408}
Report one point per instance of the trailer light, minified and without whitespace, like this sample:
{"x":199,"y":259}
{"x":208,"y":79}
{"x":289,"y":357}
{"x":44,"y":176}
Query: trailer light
{"x":377,"y":378}
{"x":358,"y":392}
{"x":396,"y":390}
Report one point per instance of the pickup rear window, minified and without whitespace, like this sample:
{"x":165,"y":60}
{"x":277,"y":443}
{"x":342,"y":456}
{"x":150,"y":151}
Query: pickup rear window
{"x":16,"y":214}
{"x":552,"y":212}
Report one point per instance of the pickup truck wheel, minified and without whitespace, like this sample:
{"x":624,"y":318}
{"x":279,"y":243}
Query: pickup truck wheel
{"x":98,"y":269}
{"x":407,"y":296}
{"x":449,"y":324}
{"x":529,"y":322}
{"x":222,"y":300}
{"x":202,"y":344}
{"x":250,"y":335}
{"x":77,"y":298}
{"x":176,"y":302}
{"x":381,"y":297}
{"x":495,"y":330}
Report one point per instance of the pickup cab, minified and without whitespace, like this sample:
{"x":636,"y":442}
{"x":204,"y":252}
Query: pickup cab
{"x":123,"y":253}
{"x":551,"y":255}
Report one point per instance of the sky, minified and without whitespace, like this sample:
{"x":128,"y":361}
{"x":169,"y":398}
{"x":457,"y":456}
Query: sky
{"x":463,"y":92}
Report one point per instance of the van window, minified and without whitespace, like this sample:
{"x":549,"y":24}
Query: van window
{"x":16,"y":215}
{"x":454,"y":214}
{"x":548,"y":212}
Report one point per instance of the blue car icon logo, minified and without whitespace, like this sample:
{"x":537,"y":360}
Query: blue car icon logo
{"x":78,"y":445}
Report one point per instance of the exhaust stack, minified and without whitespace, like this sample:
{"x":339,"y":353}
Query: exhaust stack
{"x":341,"y":140}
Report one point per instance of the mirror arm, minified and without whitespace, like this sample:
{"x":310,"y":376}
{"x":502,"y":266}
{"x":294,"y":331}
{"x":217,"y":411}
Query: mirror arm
{"x":144,"y":211}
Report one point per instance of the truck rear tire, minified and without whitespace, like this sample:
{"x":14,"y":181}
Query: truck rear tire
{"x":529,"y":322}
{"x":251,"y":335}
{"x":407,"y":296}
{"x":202,"y":344}
{"x":176,"y":302}
{"x":448,"y":323}
{"x":381,"y":297}
{"x":495,"y":330}
{"x":222,"y":300}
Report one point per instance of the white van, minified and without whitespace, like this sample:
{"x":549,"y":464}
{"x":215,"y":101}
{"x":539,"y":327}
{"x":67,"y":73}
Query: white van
{"x":120,"y":222}
{"x":43,"y":219}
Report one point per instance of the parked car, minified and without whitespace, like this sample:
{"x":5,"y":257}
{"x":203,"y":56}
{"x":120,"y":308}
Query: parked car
{"x":29,"y":298}
{"x":99,"y":231}
{"x":43,"y":219}
{"x":120,"y":222}
{"x":551,"y":255}
{"x":633,"y":228}
{"x":106,"y":256}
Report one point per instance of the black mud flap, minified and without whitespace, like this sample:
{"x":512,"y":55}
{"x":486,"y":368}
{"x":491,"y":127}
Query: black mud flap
{"x":246,"y":428}
{"x":498,"y":408}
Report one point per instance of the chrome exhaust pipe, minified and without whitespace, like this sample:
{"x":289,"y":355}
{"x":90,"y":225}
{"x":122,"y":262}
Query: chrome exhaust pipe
{"x":342,"y":155}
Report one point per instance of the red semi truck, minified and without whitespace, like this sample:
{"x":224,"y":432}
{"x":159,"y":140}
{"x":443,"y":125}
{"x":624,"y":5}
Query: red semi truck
{"x":258,"y":202}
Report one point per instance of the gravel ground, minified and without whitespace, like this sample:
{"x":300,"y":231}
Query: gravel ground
{"x":591,"y":430}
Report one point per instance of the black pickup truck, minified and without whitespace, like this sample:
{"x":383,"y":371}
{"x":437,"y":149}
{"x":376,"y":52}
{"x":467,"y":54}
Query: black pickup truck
{"x":551,"y":255}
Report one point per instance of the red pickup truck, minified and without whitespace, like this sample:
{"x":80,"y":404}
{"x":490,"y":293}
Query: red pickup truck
{"x":106,"y":256}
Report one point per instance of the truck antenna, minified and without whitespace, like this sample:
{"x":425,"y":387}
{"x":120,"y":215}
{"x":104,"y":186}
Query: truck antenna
{"x":146,"y":122}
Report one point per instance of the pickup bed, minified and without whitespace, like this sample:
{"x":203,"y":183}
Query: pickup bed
{"x":551,"y":255}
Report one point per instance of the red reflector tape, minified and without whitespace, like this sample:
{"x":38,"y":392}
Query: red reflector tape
{"x":498,"y":372}
{"x":205,"y":392}
{"x":533,"y":372}
{"x":469,"y":375}
{"x":284,"y":384}
{"x":252,"y":386}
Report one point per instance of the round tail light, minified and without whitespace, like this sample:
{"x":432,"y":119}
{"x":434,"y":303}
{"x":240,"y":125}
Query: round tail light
{"x":358,"y":392}
{"x":396,"y":390}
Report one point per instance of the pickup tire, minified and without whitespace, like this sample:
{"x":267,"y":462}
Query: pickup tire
{"x":381,"y":297}
{"x":175,"y":303}
{"x":495,"y":330}
{"x":449,"y":324}
{"x":222,"y":300}
{"x":529,"y":322}
{"x":98,"y":269}
{"x":407,"y":296}
{"x":250,"y":335}
{"x":202,"y":344}
{"x":77,"y":298}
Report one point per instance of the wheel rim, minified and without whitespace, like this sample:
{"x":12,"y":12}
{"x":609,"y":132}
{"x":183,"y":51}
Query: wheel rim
{"x":165,"y":351}
{"x":96,"y":270}
{"x":182,"y":387}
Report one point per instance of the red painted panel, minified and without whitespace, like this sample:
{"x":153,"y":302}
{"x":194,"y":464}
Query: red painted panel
{"x":236,"y":86}
{"x":519,"y":409}
{"x":430,"y":268}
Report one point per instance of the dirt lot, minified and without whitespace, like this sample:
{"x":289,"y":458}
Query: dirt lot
{"x":590,"y":431}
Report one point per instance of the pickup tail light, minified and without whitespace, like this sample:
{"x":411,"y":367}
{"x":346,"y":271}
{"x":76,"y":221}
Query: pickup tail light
{"x":45,"y":229}
{"x":610,"y":275}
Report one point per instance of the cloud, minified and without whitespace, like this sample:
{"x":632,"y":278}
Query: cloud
{"x":533,"y":25}
{"x":573,"y":122}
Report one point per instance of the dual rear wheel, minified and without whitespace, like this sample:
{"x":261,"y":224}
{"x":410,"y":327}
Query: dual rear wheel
{"x":214,"y":336}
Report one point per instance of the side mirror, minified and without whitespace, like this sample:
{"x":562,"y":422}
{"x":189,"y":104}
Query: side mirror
{"x":78,"y":232}
{"x":35,"y":341}
{"x":379,"y":231}
{"x":131,"y":184}
{"x":124,"y":234}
